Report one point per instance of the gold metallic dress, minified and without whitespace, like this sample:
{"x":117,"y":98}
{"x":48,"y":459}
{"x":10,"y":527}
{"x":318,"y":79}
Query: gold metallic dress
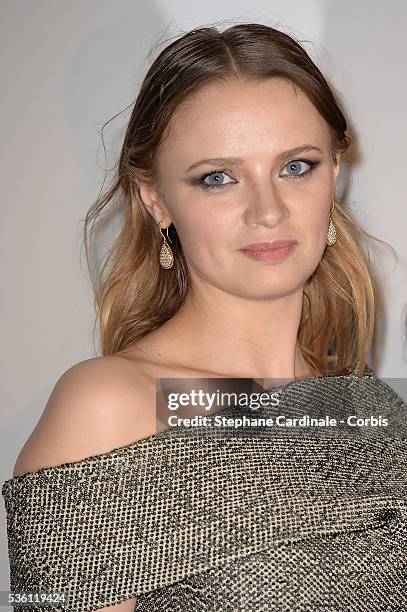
{"x":224,"y":522}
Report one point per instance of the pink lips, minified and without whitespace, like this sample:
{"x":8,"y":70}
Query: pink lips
{"x":270,"y":252}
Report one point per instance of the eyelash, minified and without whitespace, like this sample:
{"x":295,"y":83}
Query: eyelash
{"x":313,"y":163}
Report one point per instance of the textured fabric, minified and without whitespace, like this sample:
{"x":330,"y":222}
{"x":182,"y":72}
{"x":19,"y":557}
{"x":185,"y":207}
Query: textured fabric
{"x":189,"y":521}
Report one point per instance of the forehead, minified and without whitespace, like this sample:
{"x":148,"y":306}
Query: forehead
{"x":224,"y":117}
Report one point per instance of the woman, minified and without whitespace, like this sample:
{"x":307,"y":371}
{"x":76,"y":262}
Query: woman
{"x":233,"y":148}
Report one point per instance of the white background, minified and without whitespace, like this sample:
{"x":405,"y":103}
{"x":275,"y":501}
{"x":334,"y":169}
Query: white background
{"x":67,"y":66}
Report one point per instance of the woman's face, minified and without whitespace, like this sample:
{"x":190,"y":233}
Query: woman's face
{"x":218,"y":207}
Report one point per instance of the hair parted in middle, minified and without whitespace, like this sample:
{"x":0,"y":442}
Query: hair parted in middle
{"x":133,"y":293}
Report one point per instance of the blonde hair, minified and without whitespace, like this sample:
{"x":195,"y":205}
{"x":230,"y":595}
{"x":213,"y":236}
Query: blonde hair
{"x":134,"y":295}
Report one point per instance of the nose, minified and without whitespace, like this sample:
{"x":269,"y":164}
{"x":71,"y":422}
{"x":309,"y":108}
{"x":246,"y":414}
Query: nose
{"x":266,"y":206}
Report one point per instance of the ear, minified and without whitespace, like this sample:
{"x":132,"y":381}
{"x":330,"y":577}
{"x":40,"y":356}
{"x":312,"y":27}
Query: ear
{"x":154,"y":203}
{"x":337,"y":166}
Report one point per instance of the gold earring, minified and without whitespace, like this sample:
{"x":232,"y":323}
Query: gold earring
{"x":166,"y":256}
{"x":331,"y":237}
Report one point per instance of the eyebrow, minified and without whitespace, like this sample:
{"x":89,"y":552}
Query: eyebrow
{"x":236,"y":161}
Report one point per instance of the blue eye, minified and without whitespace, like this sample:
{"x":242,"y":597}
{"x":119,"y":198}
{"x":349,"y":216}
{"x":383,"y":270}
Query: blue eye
{"x":296,"y":163}
{"x":216,"y":176}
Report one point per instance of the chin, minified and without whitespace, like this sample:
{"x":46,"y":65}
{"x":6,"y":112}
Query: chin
{"x":268,"y":291}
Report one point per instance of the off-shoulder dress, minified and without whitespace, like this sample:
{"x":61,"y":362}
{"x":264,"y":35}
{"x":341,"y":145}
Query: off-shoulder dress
{"x":263,"y":520}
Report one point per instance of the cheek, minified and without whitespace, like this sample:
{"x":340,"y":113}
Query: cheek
{"x":316,"y":221}
{"x":312,"y":229}
{"x":202,"y":232}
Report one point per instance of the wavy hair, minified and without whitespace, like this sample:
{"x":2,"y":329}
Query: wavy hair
{"x":134,"y":294}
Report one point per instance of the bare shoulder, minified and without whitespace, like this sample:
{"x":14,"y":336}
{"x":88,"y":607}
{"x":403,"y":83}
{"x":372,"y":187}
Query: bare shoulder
{"x":96,"y":405}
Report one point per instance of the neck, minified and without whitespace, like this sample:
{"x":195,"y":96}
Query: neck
{"x":239,"y":337}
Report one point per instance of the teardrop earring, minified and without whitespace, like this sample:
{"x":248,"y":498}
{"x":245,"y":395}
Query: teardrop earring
{"x":166,"y":256}
{"x":331,"y":237}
